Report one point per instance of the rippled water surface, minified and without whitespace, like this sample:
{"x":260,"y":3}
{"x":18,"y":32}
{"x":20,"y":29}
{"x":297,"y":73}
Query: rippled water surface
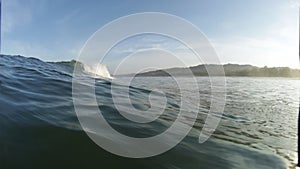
{"x":39,"y":127}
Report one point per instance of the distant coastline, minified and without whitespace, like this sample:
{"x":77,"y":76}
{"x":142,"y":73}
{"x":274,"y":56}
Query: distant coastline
{"x":201,"y":70}
{"x":229,"y":70}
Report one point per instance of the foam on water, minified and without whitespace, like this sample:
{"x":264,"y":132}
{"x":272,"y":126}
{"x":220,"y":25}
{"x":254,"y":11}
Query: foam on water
{"x":98,"y":70}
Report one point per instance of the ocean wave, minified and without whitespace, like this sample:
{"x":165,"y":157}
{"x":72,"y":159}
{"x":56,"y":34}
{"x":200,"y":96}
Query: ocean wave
{"x":39,"y":127}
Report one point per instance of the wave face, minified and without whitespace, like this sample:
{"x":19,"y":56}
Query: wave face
{"x":39,"y":127}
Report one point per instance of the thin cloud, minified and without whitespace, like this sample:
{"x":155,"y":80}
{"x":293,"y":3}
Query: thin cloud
{"x":15,"y":14}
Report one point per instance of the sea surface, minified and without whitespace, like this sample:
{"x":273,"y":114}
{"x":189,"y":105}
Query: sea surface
{"x":39,"y":127}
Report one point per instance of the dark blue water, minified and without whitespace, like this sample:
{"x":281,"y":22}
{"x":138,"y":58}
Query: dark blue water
{"x":39,"y":127}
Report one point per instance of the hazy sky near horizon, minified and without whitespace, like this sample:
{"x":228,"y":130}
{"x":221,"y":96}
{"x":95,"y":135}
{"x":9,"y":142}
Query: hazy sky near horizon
{"x":257,"y":32}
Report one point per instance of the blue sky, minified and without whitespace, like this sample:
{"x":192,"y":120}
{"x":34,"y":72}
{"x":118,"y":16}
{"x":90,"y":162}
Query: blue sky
{"x":258,"y":32}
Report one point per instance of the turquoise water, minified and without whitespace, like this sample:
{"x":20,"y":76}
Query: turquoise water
{"x":39,"y":127}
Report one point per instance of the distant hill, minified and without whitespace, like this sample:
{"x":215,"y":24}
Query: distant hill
{"x":229,"y":69}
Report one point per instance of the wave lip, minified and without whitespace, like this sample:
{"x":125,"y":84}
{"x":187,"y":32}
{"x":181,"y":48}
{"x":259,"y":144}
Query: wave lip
{"x":99,"y":70}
